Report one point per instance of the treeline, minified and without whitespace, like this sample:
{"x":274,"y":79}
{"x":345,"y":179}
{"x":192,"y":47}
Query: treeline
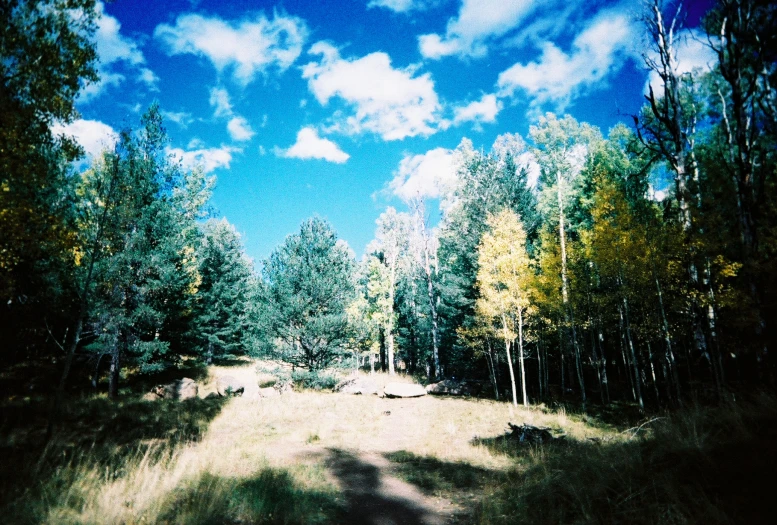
{"x":639,"y":266}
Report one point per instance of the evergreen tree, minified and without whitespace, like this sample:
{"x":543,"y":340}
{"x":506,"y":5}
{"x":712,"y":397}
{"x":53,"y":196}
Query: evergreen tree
{"x":223,"y":292}
{"x":309,"y":284}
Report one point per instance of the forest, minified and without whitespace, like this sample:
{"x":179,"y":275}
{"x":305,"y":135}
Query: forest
{"x":637,"y":272}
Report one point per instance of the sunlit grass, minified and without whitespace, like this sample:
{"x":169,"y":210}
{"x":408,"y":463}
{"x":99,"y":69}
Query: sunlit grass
{"x":253,"y":460}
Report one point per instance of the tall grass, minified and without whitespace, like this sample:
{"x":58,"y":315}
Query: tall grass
{"x":701,"y":465}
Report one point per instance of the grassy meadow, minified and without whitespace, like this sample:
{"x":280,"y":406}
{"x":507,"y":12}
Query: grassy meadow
{"x":308,"y":456}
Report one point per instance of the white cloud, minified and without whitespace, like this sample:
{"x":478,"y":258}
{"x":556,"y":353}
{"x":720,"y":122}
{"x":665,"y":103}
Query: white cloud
{"x":691,"y":52}
{"x":476,"y":23}
{"x":403,"y":6}
{"x":182,"y":118}
{"x":431,"y":174}
{"x":483,"y":110}
{"x":514,"y":145}
{"x":394,"y":103}
{"x":239,"y":129}
{"x":310,"y":146}
{"x":112,"y":47}
{"x":219,"y":99}
{"x":208,"y":159}
{"x":558,"y":77}
{"x":149,"y":78}
{"x":94,"y":136}
{"x":247,"y":47}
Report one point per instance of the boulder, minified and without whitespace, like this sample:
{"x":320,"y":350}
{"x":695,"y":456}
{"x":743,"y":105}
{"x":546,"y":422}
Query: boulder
{"x":150,"y":396}
{"x":269,"y":391}
{"x":229,"y":386}
{"x":451,"y":387}
{"x":187,"y":389}
{"x":358,"y":386}
{"x":404,"y":390}
{"x":179,"y":389}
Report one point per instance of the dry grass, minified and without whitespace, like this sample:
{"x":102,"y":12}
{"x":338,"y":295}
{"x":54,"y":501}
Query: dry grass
{"x":252,"y":460}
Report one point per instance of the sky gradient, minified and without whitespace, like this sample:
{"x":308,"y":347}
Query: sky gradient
{"x":341,"y":108}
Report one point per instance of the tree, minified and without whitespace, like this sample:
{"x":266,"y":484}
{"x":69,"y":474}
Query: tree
{"x":135,"y":220}
{"x":562,"y":148}
{"x":309,"y":285}
{"x":503,"y":283}
{"x":390,"y":245}
{"x":46,"y":54}
{"x":225,"y":283}
{"x":487,"y":184}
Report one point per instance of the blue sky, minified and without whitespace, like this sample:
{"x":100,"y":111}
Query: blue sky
{"x":341,"y":108}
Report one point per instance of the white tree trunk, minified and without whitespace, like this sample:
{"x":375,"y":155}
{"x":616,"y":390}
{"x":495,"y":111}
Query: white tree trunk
{"x":520,"y":348}
{"x":509,"y":361}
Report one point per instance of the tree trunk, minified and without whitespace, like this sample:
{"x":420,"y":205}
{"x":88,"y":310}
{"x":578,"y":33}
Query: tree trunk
{"x":600,"y":342}
{"x":509,"y":361}
{"x":633,"y":355}
{"x":569,"y":320}
{"x":382,"y":341}
{"x":668,"y":342}
{"x":492,"y":368}
{"x":520,"y":349}
{"x":113,"y":375}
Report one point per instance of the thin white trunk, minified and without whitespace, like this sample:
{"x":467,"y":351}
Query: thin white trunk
{"x":509,"y":361}
{"x":520,"y":348}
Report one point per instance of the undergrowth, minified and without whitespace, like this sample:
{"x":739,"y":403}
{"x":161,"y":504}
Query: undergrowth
{"x":699,"y":465}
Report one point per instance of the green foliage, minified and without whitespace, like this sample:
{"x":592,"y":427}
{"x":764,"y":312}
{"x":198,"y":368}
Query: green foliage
{"x":697,"y":465}
{"x":315,"y":379}
{"x":225,"y":285}
{"x":46,"y":54}
{"x":308,"y":286}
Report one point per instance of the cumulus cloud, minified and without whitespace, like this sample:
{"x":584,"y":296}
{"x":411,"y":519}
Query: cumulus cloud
{"x":219,"y":100}
{"x":691,"y":52}
{"x":557,"y":77}
{"x":182,"y":118}
{"x":483,"y":110}
{"x":239,"y":129}
{"x":393,"y":103}
{"x":113,"y":48}
{"x":208,"y":159}
{"x":403,"y":6}
{"x":428,"y":175}
{"x":310,"y":146}
{"x":246,"y":47}
{"x":477,"y":22}
{"x":94,"y":136}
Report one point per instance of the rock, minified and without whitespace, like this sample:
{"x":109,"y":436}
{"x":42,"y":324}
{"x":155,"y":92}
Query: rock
{"x":179,"y":389}
{"x":404,"y":390}
{"x":229,"y":386}
{"x":150,"y":396}
{"x":268,"y":391}
{"x":187,"y":389}
{"x":530,"y":434}
{"x":451,"y":387}
{"x":358,"y":386}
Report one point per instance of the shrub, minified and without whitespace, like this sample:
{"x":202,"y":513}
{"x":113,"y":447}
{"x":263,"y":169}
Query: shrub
{"x":314,"y":379}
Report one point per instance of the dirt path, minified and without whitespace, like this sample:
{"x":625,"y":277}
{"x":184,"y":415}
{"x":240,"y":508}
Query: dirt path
{"x":375,"y":496}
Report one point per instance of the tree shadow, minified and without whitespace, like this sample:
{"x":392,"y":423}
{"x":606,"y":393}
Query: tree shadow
{"x":91,"y":429}
{"x":432,"y":475}
{"x":272,"y":496}
{"x":368,"y":500}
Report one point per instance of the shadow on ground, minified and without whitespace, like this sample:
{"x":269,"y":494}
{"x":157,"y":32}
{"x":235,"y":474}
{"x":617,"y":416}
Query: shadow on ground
{"x":93,"y":429}
{"x":372,"y":497}
{"x":272,"y":496}
{"x":434,"y":476}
